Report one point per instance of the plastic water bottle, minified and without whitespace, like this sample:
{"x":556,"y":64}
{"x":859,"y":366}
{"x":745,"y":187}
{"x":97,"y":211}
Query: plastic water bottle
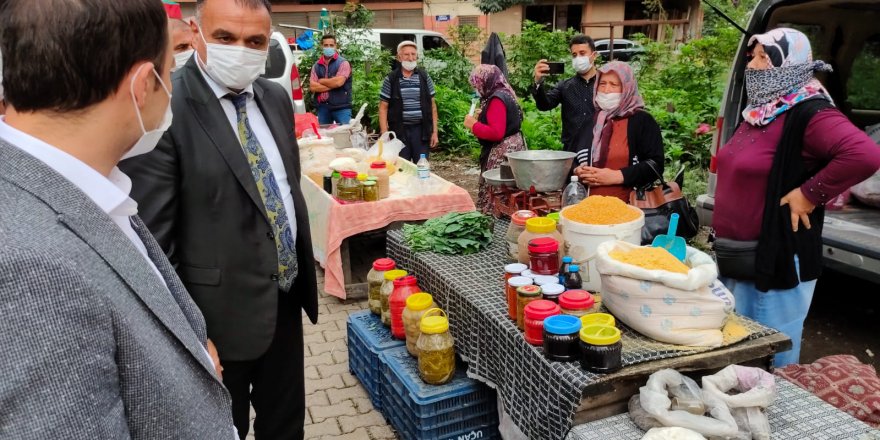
{"x":423,"y":173}
{"x":574,"y":192}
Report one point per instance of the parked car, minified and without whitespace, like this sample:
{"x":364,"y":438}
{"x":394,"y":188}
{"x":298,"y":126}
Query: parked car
{"x":843,"y":33}
{"x":624,"y":50}
{"x":281,"y":69}
{"x":390,"y":38}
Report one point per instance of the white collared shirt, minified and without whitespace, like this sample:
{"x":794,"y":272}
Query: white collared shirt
{"x":264,"y":136}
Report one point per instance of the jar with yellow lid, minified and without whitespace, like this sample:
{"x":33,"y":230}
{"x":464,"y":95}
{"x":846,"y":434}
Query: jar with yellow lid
{"x":436,"y":348}
{"x":601,"y":349}
{"x":525,"y":295}
{"x":416,"y":306}
{"x":385,"y":293}
{"x":598,"y":318}
{"x":537,"y":227}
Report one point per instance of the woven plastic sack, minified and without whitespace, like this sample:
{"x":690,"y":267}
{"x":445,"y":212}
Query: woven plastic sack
{"x":672,"y":433}
{"x":703,"y":269}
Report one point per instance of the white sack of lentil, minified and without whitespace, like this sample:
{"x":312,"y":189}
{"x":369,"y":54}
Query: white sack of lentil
{"x":703,"y":270}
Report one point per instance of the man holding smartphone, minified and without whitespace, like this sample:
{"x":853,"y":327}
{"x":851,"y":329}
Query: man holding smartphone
{"x":575,"y":94}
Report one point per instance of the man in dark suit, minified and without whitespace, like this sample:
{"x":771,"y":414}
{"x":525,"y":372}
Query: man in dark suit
{"x":98,"y":336}
{"x":221,"y":194}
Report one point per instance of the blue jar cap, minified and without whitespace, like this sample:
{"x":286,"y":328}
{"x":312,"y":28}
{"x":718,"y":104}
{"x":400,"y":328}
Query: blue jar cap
{"x":574,"y":268}
{"x":567,"y":259}
{"x":562,"y":324}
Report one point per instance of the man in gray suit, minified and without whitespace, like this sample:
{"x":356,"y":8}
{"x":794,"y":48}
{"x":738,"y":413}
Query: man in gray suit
{"x":221,"y":194}
{"x":98,"y":336}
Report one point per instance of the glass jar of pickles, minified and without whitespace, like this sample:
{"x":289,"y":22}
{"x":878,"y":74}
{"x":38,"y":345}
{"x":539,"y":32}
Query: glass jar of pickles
{"x":416,"y":306}
{"x":371,"y":191}
{"x":375,"y":279}
{"x":385,"y":293}
{"x":436,"y":348}
{"x":349,"y":189}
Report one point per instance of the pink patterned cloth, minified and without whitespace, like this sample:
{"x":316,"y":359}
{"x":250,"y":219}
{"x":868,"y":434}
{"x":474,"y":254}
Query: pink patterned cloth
{"x":842,"y":381}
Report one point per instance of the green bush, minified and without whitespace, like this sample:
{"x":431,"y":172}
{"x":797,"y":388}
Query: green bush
{"x":533,"y":44}
{"x":542,"y":130}
{"x":452,"y":106}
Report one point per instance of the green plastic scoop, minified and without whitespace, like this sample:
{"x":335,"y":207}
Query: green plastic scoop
{"x":669,"y":241}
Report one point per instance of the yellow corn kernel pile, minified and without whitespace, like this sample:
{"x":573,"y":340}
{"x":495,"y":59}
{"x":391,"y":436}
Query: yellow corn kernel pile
{"x":650,"y":258}
{"x":601,"y":210}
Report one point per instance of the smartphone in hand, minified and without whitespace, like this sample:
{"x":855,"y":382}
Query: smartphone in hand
{"x":556,"y":68}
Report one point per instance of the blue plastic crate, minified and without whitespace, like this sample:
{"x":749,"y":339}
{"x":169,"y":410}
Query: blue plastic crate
{"x":473,"y":428}
{"x":486,"y":412}
{"x":367,"y":338}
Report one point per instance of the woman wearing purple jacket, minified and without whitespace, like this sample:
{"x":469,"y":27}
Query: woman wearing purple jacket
{"x":793,"y":152}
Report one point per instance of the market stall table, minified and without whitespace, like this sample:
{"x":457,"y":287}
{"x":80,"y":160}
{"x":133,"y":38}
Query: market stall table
{"x":795,"y":415}
{"x":332,"y":222}
{"x":544,"y":398}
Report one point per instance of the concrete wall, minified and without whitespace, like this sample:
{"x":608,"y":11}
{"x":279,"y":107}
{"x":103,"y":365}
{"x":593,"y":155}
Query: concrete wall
{"x":603,"y":10}
{"x":508,"y":22}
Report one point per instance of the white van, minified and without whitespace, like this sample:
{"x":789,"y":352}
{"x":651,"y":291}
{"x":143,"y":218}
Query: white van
{"x":390,"y":38}
{"x":281,"y":68}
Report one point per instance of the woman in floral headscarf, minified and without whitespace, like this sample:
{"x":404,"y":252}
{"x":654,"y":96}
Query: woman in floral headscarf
{"x":627,"y":148}
{"x":497,"y":127}
{"x":793,"y":152}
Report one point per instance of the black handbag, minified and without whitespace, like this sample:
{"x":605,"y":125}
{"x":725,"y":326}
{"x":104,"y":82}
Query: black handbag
{"x":736,"y":259}
{"x":659,"y":200}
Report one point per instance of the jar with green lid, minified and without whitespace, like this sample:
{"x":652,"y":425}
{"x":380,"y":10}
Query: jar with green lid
{"x":436,"y":348}
{"x":555,"y":217}
{"x":375,"y":279}
{"x":525,"y":295}
{"x":385,"y":293}
{"x":601,"y":349}
{"x":349,"y":189}
{"x":416,"y":306}
{"x":371,"y":191}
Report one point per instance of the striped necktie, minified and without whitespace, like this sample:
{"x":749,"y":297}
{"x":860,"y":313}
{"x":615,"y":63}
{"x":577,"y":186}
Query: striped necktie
{"x":273,"y":201}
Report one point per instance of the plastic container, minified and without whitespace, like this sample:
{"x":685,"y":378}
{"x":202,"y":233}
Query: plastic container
{"x":379,"y":170}
{"x":577,"y":303}
{"x":573,"y":193}
{"x":555,"y":217}
{"x":525,"y":295}
{"x":573,"y":278}
{"x":416,"y":306}
{"x":385,"y":293}
{"x":534,"y":314}
{"x":563,"y":268}
{"x":538,"y":227}
{"x":551,"y":292}
{"x":348,"y":189}
{"x":598,"y":319}
{"x":436,"y":348}
{"x":544,"y":256}
{"x":367,"y":340}
{"x":403,"y":288}
{"x":516,"y":227}
{"x":513,"y":270}
{"x":561,"y":338}
{"x":528,"y":274}
{"x":513,"y":284}
{"x":375,"y":279}
{"x":543,"y":280}
{"x":371,"y":191}
{"x":583,"y":240}
{"x":601,"y":349}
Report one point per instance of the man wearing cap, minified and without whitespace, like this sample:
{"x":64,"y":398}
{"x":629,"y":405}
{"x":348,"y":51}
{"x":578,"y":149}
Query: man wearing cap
{"x":407,"y":106}
{"x":330,"y":81}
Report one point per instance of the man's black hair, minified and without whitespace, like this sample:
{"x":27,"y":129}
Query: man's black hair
{"x":252,"y":4}
{"x":582,"y":39}
{"x":329,"y":37}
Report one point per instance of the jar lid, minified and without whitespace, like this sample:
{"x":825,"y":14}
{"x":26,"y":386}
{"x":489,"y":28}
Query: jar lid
{"x":562,"y":324}
{"x":554,"y":289}
{"x":567,"y":259}
{"x":349,"y":174}
{"x":516,"y":268}
{"x":433,"y":325}
{"x":369,"y":183}
{"x":598,"y":318}
{"x":392,"y":275}
{"x":574,"y":268}
{"x":541,"y":309}
{"x":543,"y":280}
{"x":408,"y":280}
{"x":529,"y":290}
{"x":576,"y":300}
{"x":519,"y":281}
{"x":527,"y":273}
{"x":540,"y":225}
{"x":372,"y":179}
{"x":361,"y":176}
{"x":598,"y":334}
{"x":543,"y":244}
{"x":554,"y":216}
{"x":519,"y":217}
{"x":377,"y":164}
{"x":419,"y":301}
{"x":384,"y":264}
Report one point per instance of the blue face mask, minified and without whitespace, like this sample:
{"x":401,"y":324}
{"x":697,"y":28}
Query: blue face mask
{"x":329,"y":52}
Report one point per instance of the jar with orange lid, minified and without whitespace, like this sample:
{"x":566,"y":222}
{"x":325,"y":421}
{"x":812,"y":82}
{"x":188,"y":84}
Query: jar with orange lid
{"x":516,"y":227}
{"x":525,"y":295}
{"x":436,"y":348}
{"x":577,"y":303}
{"x":537,"y":227}
{"x":385,"y":293}
{"x":375,"y":279}
{"x":416,"y":306}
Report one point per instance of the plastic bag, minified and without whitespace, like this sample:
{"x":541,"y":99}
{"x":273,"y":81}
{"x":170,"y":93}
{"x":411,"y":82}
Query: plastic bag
{"x":868,"y":192}
{"x":655,"y":400}
{"x":756,"y":390}
{"x":391,"y":147}
{"x":672,"y":433}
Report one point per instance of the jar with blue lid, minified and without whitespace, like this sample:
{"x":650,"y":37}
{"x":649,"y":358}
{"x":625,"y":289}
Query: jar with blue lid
{"x":561,"y":338}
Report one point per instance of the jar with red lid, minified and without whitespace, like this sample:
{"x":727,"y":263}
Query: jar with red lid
{"x":403,"y":288}
{"x":375,"y":278}
{"x":524,"y":296}
{"x":513,"y":284}
{"x":577,"y":303}
{"x":534,"y":314}
{"x":544,"y":256}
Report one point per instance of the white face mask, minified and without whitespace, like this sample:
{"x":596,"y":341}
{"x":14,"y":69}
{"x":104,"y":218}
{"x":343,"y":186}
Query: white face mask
{"x":409,"y":65}
{"x":234,"y":67}
{"x":581,"y":64}
{"x":149,"y":139}
{"x":608,"y":101}
{"x":180,"y":59}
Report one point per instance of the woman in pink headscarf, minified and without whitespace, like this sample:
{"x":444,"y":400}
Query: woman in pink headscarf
{"x":627,"y":148}
{"x":497,"y":127}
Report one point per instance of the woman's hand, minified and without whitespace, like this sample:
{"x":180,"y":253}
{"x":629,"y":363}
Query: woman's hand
{"x":593,"y":176}
{"x":800,"y":208}
{"x":469,"y":122}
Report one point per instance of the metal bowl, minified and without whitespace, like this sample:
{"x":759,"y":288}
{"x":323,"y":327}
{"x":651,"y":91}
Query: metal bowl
{"x":493,"y":177}
{"x":546,"y":170}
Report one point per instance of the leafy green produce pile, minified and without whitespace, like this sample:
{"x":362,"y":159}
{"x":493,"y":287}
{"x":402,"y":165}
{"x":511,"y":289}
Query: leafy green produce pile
{"x":454,"y":233}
